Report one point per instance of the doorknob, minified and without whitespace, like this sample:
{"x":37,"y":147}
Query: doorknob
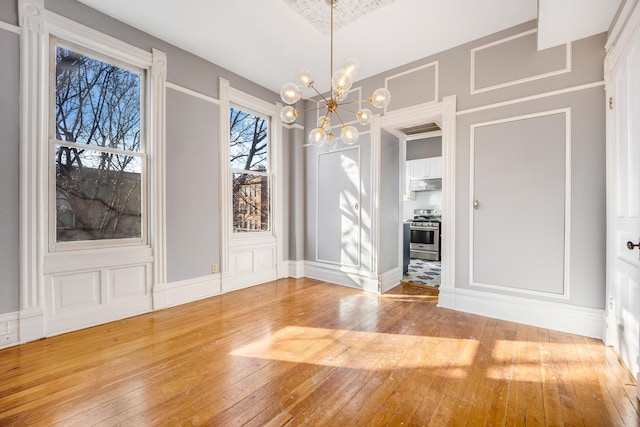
{"x":631,"y":245}
{"x":476,"y":204}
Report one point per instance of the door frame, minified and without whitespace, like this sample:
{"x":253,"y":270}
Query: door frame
{"x":443,"y":112}
{"x":626,"y":24}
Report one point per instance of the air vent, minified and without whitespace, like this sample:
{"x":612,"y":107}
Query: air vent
{"x":423,"y":128}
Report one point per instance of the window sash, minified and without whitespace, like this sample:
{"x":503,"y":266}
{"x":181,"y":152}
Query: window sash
{"x":140,"y":154}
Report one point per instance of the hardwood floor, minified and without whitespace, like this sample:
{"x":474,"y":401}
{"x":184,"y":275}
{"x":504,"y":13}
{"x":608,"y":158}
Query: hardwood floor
{"x":304,"y":352}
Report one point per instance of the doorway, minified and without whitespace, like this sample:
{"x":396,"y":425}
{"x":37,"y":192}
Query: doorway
{"x":422,"y":206}
{"x":442,"y":113}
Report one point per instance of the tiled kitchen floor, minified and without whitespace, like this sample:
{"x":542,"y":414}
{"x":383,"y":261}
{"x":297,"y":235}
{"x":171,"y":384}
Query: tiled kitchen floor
{"x":423,"y":272}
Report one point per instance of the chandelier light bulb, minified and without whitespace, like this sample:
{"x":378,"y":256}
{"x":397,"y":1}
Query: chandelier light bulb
{"x":290,"y":93}
{"x":331,"y":144}
{"x":351,"y":66}
{"x":317,"y":137}
{"x":324,"y":122}
{"x":380,"y":98}
{"x":349,"y":135}
{"x":288,"y":114}
{"x":364,"y":116}
{"x":341,"y":81}
{"x":305,"y":79}
{"x":340,"y":96}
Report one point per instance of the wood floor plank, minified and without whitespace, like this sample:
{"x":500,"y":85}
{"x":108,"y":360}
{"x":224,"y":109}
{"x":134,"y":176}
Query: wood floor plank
{"x":305,"y":352}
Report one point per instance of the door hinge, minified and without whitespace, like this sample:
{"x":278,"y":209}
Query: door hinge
{"x":611,"y":102}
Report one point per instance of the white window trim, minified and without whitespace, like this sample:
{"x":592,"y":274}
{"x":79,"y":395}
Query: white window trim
{"x":229,"y":97}
{"x":36,"y":27}
{"x":54,"y":244}
{"x":269,"y":173}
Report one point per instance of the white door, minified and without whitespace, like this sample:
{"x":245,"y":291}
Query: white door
{"x":623,"y":203}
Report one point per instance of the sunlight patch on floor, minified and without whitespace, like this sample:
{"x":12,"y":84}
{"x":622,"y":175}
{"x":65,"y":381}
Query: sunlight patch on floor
{"x":363,"y":350}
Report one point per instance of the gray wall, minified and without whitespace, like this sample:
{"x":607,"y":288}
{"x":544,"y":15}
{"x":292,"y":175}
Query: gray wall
{"x":494,"y":68}
{"x":9,"y":165}
{"x":193,"y":205}
{"x":424,"y":148}
{"x":389,"y":196}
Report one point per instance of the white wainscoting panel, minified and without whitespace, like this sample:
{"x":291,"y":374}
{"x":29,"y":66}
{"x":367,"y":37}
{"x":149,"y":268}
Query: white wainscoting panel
{"x":251,"y":262}
{"x":77,"y":291}
{"x":127,"y":282}
{"x":80,"y":299}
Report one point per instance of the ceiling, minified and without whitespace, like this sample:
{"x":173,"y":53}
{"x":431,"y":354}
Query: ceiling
{"x":267,"y":42}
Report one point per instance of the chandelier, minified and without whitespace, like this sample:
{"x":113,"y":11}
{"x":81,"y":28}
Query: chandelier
{"x":334,"y":103}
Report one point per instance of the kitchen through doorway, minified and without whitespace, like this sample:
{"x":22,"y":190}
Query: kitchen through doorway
{"x":422,"y":206}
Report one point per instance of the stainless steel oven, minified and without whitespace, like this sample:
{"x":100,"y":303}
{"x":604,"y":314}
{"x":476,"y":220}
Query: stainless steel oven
{"x":425,"y":239}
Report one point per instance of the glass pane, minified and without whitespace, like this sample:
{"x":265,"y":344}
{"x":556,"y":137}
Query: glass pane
{"x":96,"y":103}
{"x":248,"y":141}
{"x":250,"y":203}
{"x":98,"y":195}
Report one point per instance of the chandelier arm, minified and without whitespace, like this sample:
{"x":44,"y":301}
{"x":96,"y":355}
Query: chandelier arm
{"x":319,"y":94}
{"x":339,"y":118}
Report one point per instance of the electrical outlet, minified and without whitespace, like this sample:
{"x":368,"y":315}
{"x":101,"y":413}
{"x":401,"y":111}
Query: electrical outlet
{"x":610,"y":303}
{"x":214,"y":268}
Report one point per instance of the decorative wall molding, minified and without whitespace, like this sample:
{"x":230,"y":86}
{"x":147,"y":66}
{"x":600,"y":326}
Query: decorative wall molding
{"x":9,"y":27}
{"x":572,"y":319}
{"x":193,"y":93}
{"x":157,"y":185}
{"x":567,"y":206}
{"x":317,"y":191}
{"x":33,"y":135}
{"x":585,"y":86}
{"x":566,"y":69}
{"x":185,"y":291}
{"x":436,"y":83}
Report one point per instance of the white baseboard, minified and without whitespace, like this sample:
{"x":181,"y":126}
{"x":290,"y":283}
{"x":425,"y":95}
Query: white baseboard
{"x":233,"y":282}
{"x":544,"y":314}
{"x":184,"y":291}
{"x":31,"y":324}
{"x":390,"y":279}
{"x":9,"y":329}
{"x":295,"y":269}
{"x":344,"y":276}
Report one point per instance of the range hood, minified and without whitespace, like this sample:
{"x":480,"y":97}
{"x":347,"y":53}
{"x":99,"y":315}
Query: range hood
{"x":425,"y":184}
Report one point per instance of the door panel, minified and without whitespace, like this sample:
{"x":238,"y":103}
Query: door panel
{"x":624,"y":206}
{"x":518,"y":227}
{"x":338,"y":214}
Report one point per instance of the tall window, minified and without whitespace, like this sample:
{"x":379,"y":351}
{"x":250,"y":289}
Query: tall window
{"x":97,"y":147}
{"x":250,"y":174}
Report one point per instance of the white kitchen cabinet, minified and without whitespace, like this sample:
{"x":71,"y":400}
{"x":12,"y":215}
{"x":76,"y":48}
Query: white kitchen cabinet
{"x":429,"y":168}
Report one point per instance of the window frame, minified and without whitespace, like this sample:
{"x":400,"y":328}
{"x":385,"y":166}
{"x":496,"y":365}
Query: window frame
{"x":121,"y":61}
{"x":250,"y":232}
